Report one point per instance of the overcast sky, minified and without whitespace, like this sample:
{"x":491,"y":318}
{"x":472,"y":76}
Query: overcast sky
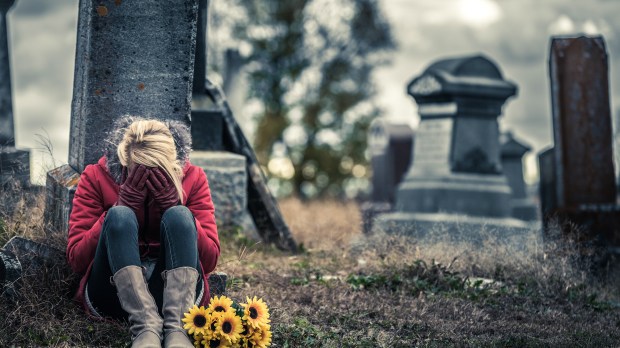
{"x":514,"y":33}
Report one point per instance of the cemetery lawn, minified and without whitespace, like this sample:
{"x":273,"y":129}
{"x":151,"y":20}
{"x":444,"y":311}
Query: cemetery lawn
{"x":348,"y":290}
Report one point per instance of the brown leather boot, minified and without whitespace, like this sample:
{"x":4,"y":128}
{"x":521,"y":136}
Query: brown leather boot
{"x":179,"y":296}
{"x":137,"y":301}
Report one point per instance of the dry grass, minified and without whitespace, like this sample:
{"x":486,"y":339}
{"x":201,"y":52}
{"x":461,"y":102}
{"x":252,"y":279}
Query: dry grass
{"x":349,"y":290}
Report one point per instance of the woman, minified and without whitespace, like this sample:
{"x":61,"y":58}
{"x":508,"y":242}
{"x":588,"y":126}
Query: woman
{"x":142,"y":232}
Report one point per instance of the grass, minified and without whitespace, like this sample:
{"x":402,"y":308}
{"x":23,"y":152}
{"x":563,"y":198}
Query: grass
{"x":350,"y":290}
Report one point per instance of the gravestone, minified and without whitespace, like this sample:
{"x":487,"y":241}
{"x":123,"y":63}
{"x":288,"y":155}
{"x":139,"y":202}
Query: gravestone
{"x":116,"y":74}
{"x":512,"y":152}
{"x":230,"y":158}
{"x":456,"y":178}
{"x":14,"y":163}
{"x":546,"y":185}
{"x":391,"y":149}
{"x":584,"y":191}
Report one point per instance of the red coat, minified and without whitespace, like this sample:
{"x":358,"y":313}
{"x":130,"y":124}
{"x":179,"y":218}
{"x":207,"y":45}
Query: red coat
{"x":97,"y":192}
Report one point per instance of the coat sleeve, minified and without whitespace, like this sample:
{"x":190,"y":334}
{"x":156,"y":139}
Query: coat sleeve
{"x":85,"y":222}
{"x":200,"y":204}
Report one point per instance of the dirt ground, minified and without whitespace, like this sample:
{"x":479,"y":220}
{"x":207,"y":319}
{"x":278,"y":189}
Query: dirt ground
{"x":346,"y":289}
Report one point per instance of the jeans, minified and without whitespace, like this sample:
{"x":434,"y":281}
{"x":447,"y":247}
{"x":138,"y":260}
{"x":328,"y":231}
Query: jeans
{"x":118,"y":248}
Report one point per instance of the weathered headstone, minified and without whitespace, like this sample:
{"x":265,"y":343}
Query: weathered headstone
{"x":457,"y":166}
{"x":14,"y":163}
{"x":546,"y":185}
{"x":512,"y":152}
{"x":583,"y":172}
{"x":391,"y":150}
{"x":132,"y":58}
{"x":210,"y":111}
{"x":456,"y":177}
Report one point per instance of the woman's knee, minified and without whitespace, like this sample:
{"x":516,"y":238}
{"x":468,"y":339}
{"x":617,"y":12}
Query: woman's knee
{"x":120,"y":218}
{"x":179,"y":218}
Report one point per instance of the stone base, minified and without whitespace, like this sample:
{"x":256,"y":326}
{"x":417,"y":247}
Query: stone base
{"x":60,"y":185}
{"x":524,"y":209}
{"x":14,"y":166}
{"x":455,"y":193}
{"x":370,"y":210}
{"x":228,"y":183}
{"x":457,"y":228}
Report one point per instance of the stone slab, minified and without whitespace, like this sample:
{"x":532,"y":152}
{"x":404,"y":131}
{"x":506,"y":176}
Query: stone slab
{"x":457,"y":228}
{"x":228,"y":184}
{"x":10,"y":273}
{"x":207,"y":130}
{"x":60,"y":187}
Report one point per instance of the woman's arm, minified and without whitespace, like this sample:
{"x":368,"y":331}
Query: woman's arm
{"x":85,"y":222}
{"x":199,"y":203}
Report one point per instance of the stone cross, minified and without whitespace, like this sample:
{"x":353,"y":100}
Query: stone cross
{"x":582,"y":171}
{"x":132,"y":57}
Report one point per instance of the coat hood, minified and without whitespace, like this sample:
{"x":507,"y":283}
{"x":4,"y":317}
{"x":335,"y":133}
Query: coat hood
{"x":180,"y":132}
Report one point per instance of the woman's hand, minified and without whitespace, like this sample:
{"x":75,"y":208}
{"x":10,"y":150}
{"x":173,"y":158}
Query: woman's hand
{"x":162,"y":189}
{"x":133,"y":191}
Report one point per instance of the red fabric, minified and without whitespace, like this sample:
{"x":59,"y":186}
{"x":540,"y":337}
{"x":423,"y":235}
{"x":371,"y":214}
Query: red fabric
{"x":97,"y":192}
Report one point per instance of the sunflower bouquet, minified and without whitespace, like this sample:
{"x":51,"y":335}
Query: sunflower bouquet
{"x":225,"y":323}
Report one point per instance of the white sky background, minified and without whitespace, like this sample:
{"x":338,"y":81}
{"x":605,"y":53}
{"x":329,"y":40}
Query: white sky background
{"x":514,"y":33}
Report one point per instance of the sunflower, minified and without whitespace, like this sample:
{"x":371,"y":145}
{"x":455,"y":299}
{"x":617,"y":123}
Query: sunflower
{"x":255,"y":312}
{"x":229,"y":326}
{"x":198,"y":340}
{"x":265,"y":337}
{"x":259,"y":337}
{"x":220,"y":304}
{"x":219,"y":343}
{"x":196,"y":320}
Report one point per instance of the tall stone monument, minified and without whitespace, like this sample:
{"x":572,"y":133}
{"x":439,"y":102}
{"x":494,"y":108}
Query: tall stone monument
{"x":457,"y":173}
{"x":14,"y":163}
{"x":580,"y":165}
{"x":132,"y":58}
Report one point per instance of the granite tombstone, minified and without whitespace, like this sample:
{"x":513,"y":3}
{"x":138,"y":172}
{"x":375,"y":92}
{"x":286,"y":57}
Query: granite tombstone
{"x":116,"y":75}
{"x":456,"y":177}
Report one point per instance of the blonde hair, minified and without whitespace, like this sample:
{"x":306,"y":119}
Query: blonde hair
{"x":150,"y":143}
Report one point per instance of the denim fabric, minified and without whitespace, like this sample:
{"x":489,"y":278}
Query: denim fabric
{"x":118,"y":248}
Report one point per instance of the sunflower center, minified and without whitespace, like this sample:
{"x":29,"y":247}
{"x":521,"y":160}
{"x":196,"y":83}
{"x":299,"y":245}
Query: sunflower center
{"x":200,"y":321}
{"x":227,"y":327}
{"x":219,"y":309}
{"x":214,"y":343}
{"x":253,"y":313}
